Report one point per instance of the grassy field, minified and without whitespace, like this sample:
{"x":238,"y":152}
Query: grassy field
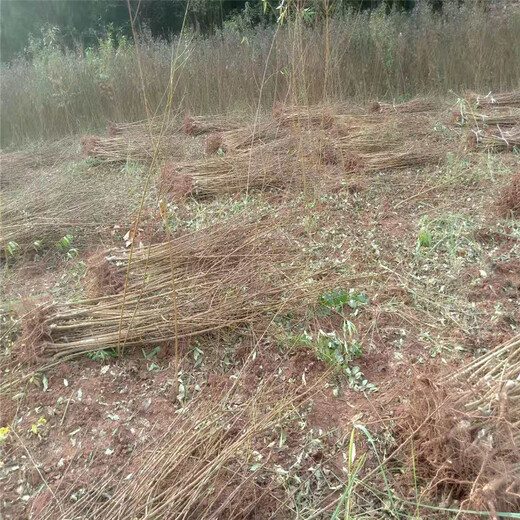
{"x":309,"y":311}
{"x":354,"y":57}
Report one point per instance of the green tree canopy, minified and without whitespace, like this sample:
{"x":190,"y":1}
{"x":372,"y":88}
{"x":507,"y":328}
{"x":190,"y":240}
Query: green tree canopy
{"x":82,"y":22}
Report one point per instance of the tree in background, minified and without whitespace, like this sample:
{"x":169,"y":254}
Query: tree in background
{"x":82,"y":23}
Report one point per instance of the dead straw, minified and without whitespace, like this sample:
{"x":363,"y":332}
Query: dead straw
{"x":198,"y":125}
{"x":509,"y":99}
{"x":413,"y":106}
{"x":231,"y":276}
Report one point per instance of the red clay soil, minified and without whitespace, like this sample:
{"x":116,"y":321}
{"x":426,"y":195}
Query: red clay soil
{"x":98,"y":415}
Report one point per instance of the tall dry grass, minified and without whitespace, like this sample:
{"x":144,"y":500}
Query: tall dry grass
{"x":371,"y":55}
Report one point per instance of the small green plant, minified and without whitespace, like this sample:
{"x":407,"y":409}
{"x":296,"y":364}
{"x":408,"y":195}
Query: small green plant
{"x":152,"y":367}
{"x":198,"y":354}
{"x":451,"y":234}
{"x":12,"y":248}
{"x":338,"y":298}
{"x":424,"y":239}
{"x":92,"y":162}
{"x":339,"y":352}
{"x":132,"y":168}
{"x":357,"y":381}
{"x":152,"y":354}
{"x":65,"y":245}
{"x":102,"y":355}
{"x":333,"y":349}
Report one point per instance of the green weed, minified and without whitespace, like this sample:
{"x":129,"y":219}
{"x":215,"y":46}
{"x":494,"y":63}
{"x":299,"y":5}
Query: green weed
{"x":102,"y":355}
{"x":65,"y":245}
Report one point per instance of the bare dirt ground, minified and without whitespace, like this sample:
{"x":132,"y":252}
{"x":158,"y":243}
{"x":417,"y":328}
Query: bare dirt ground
{"x":420,"y":269}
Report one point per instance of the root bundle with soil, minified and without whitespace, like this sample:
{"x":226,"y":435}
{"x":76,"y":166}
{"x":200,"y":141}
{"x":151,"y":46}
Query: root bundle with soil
{"x":466,"y":431}
{"x":509,"y":201}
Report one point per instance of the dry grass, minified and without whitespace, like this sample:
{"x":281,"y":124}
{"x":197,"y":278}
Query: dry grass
{"x":18,"y":168}
{"x":416,"y":105}
{"x":231,"y":276}
{"x":382,"y":56}
{"x":201,"y":467}
{"x":492,"y":99}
